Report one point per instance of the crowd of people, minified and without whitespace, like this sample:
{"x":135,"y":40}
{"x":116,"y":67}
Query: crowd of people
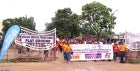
{"x":63,"y":45}
{"x":119,"y":49}
{"x":84,"y":40}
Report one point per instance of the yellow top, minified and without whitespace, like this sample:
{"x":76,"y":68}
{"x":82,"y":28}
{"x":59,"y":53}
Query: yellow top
{"x":67,"y":48}
{"x":122,"y":47}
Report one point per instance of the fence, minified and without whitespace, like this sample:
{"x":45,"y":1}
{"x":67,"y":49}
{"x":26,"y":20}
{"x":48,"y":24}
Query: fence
{"x":23,"y":54}
{"x":133,"y":47}
{"x":32,"y":46}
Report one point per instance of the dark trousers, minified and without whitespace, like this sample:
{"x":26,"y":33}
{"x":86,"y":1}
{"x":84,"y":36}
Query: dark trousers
{"x":68,"y":56}
{"x":46,"y":52}
{"x":19,"y":50}
{"x":115,"y":55}
{"x":64,"y":54}
{"x":122,"y":55}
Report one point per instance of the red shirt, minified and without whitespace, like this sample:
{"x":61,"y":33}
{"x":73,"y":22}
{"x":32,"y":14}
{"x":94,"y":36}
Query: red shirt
{"x":115,"y":48}
{"x":57,"y":47}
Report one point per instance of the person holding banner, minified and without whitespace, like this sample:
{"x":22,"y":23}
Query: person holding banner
{"x":63,"y":45}
{"x":115,"y":51}
{"x":56,"y":49}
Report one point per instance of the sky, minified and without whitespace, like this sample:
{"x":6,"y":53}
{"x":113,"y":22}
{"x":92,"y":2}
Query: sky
{"x":127,"y":13}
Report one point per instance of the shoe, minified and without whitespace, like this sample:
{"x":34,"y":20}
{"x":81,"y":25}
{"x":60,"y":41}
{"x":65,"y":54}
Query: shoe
{"x":122,"y":62}
{"x":68,"y":62}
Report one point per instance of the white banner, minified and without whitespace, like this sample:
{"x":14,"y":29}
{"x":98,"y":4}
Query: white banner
{"x":37,"y":41}
{"x":39,"y":38}
{"x":91,"y":52}
{"x":132,"y":41}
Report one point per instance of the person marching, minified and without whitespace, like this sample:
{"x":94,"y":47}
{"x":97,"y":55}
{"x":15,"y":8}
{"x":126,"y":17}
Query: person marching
{"x":57,"y":50}
{"x":63,"y":45}
{"x":115,"y":51}
{"x":68,"y":51}
{"x":122,"y":49}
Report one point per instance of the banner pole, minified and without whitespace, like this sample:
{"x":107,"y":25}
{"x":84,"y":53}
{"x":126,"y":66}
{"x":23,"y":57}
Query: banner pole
{"x":55,"y":44}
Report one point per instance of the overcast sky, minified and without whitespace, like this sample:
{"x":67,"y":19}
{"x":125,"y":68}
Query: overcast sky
{"x":43,"y":10}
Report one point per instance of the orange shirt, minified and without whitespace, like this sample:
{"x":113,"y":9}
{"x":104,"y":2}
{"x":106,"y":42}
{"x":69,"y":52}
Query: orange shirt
{"x":122,"y":47}
{"x":61,"y":44}
{"x":67,"y":48}
{"x":64,"y":46}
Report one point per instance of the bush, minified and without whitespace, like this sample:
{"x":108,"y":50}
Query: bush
{"x":134,"y":61}
{"x":7,"y":60}
{"x":28,"y":59}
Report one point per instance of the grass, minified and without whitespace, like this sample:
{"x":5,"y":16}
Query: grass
{"x":134,"y":61}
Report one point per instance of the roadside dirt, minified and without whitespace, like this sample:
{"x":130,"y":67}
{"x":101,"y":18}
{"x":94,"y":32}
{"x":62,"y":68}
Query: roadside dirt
{"x":73,"y":66}
{"x":60,"y":65}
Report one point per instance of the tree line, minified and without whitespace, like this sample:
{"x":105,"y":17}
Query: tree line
{"x":96,"y":19}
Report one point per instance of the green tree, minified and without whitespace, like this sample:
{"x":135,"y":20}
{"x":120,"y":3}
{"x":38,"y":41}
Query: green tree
{"x":66,"y":23}
{"x":107,"y":35}
{"x":21,"y":21}
{"x":86,"y":31}
{"x":97,"y":17}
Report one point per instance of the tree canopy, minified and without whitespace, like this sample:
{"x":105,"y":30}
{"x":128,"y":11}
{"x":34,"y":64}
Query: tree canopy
{"x":66,"y":23}
{"x":21,"y":21}
{"x":98,"y":17}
